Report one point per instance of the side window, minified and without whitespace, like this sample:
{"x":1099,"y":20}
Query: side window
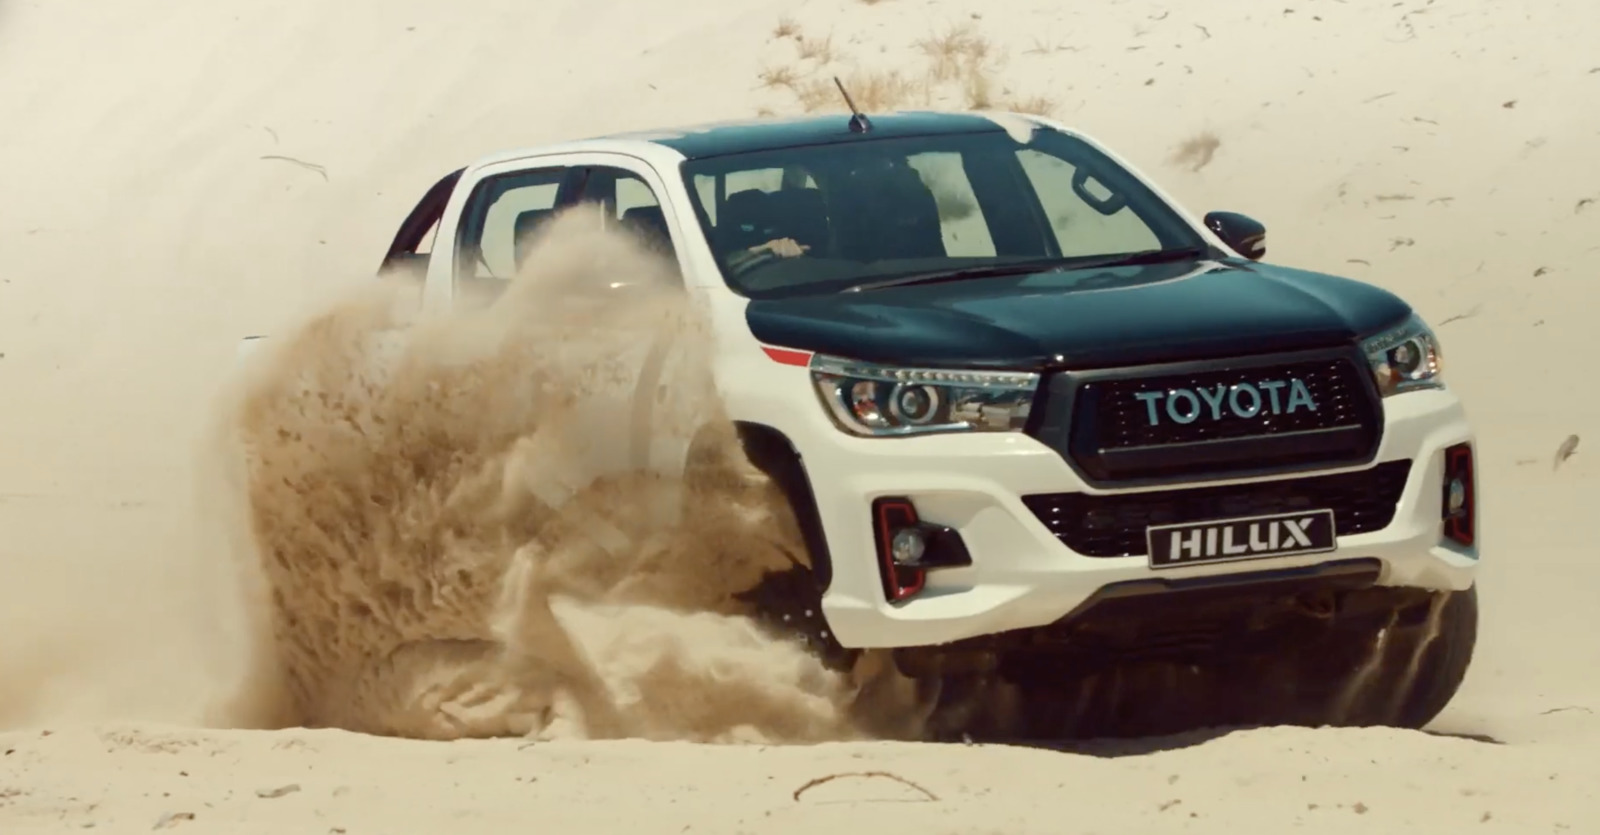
{"x":705,"y":188}
{"x":965,"y":231}
{"x":766,"y":180}
{"x":1079,"y":228}
{"x":629,"y":203}
{"x":503,"y":212}
{"x":760,"y":179}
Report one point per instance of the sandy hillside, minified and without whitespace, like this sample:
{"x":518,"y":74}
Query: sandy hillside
{"x":174,"y":175}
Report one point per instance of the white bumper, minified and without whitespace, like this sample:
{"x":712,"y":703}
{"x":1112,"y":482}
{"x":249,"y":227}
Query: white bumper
{"x":1022,"y":576}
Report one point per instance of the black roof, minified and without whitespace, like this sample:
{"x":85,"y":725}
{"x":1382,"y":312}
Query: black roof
{"x":769,"y":134}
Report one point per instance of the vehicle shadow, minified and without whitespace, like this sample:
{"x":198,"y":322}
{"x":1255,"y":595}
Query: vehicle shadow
{"x":1112,"y":747}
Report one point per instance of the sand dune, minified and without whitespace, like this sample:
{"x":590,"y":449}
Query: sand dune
{"x":174,"y":175}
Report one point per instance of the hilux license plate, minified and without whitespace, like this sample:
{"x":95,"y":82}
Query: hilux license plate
{"x":1250,"y":538}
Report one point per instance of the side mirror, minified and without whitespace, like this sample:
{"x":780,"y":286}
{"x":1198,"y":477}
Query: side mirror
{"x":1243,"y":234}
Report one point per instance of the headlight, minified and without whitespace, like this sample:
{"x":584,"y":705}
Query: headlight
{"x":1405,"y":358}
{"x":879,"y":400}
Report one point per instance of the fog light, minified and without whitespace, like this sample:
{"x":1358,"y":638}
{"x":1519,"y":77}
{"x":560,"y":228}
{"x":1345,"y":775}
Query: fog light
{"x":900,"y":544}
{"x":908,"y":546}
{"x":1457,"y":500}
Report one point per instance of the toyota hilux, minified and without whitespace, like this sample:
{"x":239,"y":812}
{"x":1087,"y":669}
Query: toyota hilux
{"x":1037,"y":422}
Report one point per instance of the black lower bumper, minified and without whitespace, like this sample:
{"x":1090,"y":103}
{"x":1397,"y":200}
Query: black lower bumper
{"x":1199,"y":619}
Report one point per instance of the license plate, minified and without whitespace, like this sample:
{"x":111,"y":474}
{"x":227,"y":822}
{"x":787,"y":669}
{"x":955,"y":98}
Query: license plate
{"x":1250,"y":538}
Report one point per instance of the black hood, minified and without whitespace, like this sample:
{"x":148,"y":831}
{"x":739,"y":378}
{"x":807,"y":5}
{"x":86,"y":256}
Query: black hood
{"x":1091,"y":318}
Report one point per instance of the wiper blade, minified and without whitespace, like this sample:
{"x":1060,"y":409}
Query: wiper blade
{"x":1145,"y":256}
{"x":985,"y":271}
{"x":1126,"y":259}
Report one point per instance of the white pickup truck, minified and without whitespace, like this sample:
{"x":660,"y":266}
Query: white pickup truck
{"x":1035,"y":419}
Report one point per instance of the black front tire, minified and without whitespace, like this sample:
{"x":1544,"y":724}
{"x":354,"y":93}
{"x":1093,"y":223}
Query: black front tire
{"x":1413,"y":669}
{"x":1382,"y":657}
{"x":1389,"y":657}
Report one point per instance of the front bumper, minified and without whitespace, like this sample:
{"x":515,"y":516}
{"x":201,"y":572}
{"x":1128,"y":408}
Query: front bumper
{"x":1022,"y":576}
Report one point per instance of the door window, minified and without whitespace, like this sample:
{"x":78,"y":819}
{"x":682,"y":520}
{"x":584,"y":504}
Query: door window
{"x":1080,"y":229}
{"x":500,"y":218}
{"x":627,"y":202}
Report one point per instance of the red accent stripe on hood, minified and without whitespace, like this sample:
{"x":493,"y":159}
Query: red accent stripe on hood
{"x":788,"y":356}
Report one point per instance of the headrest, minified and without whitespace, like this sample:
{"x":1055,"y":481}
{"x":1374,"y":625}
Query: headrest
{"x":523,"y":230}
{"x":650,"y":222}
{"x":646,"y":216}
{"x":893,"y":213}
{"x":529,"y":220}
{"x":745,"y":219}
{"x":748,"y":207}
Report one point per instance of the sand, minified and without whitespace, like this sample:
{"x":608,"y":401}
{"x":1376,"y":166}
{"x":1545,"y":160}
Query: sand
{"x":176,"y":175}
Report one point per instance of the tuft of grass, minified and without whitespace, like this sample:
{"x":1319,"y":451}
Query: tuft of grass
{"x":959,"y":52}
{"x":884,"y":91}
{"x":978,"y":88}
{"x":787,"y":27}
{"x":779,"y":77}
{"x":963,"y":58}
{"x":816,"y":49}
{"x":814,"y":95}
{"x":1044,"y":47}
{"x":1035,"y":105}
{"x":873,"y":92}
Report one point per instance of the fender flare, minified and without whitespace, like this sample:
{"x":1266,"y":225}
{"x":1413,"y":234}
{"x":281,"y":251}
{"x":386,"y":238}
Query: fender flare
{"x":771,"y":452}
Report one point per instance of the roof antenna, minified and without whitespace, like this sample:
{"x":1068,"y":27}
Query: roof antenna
{"x":858,"y":120}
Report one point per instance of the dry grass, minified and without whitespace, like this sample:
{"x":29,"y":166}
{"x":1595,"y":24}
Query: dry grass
{"x":1043,"y":47}
{"x":814,"y":95}
{"x":873,"y":92}
{"x":779,"y":77}
{"x":1036,"y":105}
{"x":816,"y":49}
{"x":978,"y":87}
{"x":787,"y":27}
{"x":958,"y":53}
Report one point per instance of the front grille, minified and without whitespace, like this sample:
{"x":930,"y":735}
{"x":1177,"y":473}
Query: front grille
{"x":1123,"y":420}
{"x":1102,"y":420}
{"x":1114,"y":525}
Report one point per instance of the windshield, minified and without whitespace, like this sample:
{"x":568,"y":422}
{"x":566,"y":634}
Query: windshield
{"x":828,"y":218}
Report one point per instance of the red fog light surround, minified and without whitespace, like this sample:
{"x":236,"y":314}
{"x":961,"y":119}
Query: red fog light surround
{"x":890,"y":517}
{"x":1459,"y":508}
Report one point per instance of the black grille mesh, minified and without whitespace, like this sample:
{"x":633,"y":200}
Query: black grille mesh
{"x":1114,"y":525}
{"x":1123,"y":420}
